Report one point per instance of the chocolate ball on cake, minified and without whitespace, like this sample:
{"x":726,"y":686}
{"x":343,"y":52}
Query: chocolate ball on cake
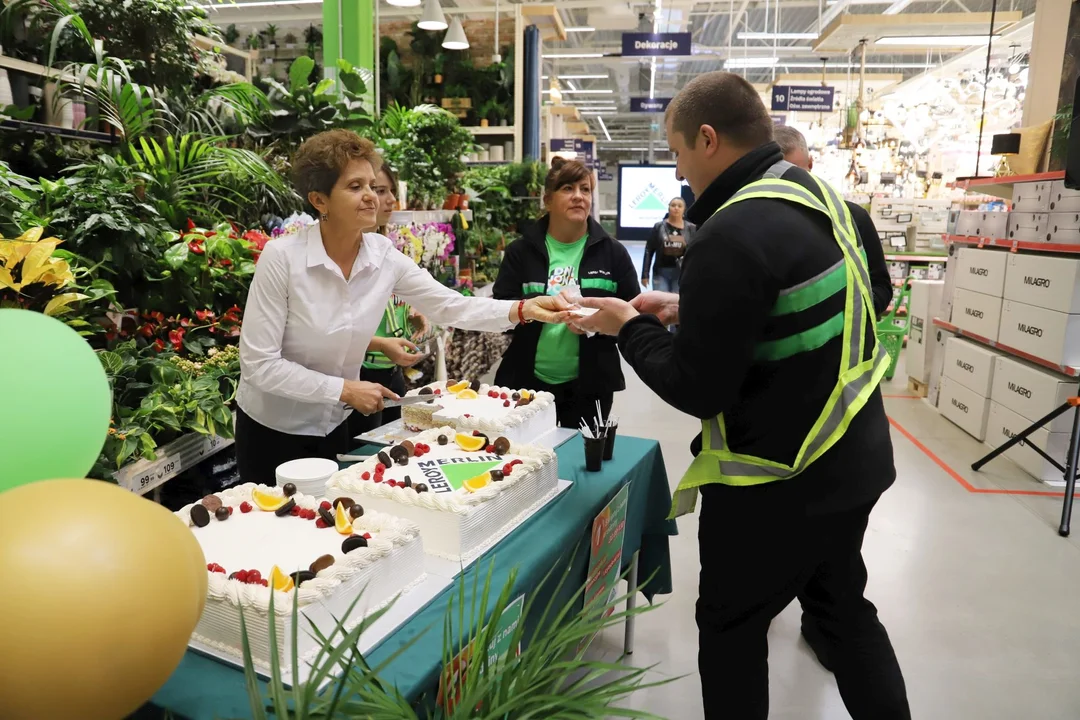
{"x":222,"y":513}
{"x":399,"y":455}
{"x":356,"y":511}
{"x":289,"y":489}
{"x":496,"y":475}
{"x":515,"y":396}
{"x":200,"y":516}
{"x":420,"y":487}
{"x":502,"y":446}
{"x":443,"y":440}
{"x":409,"y":447}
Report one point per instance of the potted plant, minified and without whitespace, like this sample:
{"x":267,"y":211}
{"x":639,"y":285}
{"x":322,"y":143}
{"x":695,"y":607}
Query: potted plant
{"x":438,"y":64}
{"x":313,"y":37}
{"x":253,"y":42}
{"x":290,"y":41}
{"x":231,"y":34}
{"x":270,"y":34}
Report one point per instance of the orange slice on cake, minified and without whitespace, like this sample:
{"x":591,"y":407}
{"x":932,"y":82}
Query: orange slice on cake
{"x":281,"y":581}
{"x":266,"y":501}
{"x":458,"y":387}
{"x":467,"y":395}
{"x":478,"y":483}
{"x":342,"y":523}
{"x":470,"y":443}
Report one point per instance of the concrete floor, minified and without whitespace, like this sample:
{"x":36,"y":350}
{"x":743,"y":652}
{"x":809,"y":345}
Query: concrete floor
{"x":977,"y":590}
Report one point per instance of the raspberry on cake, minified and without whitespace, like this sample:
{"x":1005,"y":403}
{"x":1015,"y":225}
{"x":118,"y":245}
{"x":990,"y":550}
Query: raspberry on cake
{"x":521,"y":416}
{"x":462,"y":491}
{"x":322,"y":555}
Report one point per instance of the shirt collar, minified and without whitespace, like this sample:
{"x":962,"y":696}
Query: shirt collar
{"x":372,"y":251}
{"x":742,"y":172}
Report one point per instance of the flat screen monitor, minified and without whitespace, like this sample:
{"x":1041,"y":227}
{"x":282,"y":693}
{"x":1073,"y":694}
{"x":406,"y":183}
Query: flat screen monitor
{"x":644,"y":194}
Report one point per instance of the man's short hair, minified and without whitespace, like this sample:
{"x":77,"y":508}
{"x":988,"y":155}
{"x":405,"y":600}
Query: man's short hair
{"x":727,"y":103}
{"x":789,"y":139}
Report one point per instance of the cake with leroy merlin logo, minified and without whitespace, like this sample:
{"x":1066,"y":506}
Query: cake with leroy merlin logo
{"x":521,"y":416}
{"x":463,"y":490}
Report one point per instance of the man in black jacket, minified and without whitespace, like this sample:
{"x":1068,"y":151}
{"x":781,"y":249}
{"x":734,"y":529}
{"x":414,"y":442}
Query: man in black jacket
{"x":793,"y":144}
{"x":760,"y":358}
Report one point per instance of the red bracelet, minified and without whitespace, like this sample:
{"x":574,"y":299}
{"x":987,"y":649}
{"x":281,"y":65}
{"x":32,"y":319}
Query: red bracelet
{"x":521,"y":312}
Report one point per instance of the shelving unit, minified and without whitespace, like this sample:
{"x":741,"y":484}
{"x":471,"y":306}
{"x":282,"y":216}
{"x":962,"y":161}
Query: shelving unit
{"x":39,"y":128}
{"x":1069,"y":370}
{"x":1002,"y":187}
{"x":916,"y":257}
{"x":1013,"y":245}
{"x":499,"y":130}
{"x":182,"y":454}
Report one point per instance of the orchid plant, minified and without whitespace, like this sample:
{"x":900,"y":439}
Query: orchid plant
{"x":428,"y":245}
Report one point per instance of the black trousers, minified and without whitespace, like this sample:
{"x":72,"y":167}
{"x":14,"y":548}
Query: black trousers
{"x":574,"y":404}
{"x":259,"y":449}
{"x":391,"y":378}
{"x":755,"y":559}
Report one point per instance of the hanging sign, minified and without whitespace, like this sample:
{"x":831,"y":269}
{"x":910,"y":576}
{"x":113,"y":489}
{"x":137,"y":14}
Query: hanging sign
{"x":803,"y":97}
{"x":655,"y":44}
{"x":603,"y":173}
{"x":649,"y":105}
{"x":779,"y":119}
{"x":584,"y":150}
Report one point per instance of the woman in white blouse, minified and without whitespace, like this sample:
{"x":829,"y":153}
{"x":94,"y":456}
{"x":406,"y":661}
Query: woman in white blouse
{"x":315,"y":303}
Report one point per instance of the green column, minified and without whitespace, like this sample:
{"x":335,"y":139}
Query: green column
{"x":354,"y":25}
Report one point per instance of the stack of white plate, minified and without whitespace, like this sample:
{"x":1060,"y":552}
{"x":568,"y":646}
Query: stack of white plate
{"x":309,"y":475}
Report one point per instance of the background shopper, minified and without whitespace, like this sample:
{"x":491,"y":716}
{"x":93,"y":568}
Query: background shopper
{"x":565,"y":248}
{"x":313,"y":307}
{"x":665,"y":248}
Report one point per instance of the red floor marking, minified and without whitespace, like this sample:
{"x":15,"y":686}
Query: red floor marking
{"x":959,"y":478}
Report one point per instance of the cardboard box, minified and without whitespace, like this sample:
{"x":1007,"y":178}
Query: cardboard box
{"x":981,"y":270}
{"x":924,"y":300}
{"x":1046,"y":334}
{"x":977,"y":313}
{"x":1031,"y":197}
{"x":937,"y":364}
{"x":1028,"y":227}
{"x":1063,"y":228}
{"x":964,"y":407}
{"x":1003,"y":424}
{"x":1032,"y":392}
{"x":982,"y":224}
{"x":1062,"y":199}
{"x":970,"y":364}
{"x":1045,"y":281}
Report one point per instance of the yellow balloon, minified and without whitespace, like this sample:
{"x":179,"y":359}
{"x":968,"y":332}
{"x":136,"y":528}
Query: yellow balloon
{"x":100,"y":591}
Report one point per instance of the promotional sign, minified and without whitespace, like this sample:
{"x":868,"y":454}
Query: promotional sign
{"x":655,"y":44}
{"x":649,"y":105}
{"x":644,"y":194}
{"x":497,"y":650}
{"x":605,"y":558}
{"x":803,"y":97}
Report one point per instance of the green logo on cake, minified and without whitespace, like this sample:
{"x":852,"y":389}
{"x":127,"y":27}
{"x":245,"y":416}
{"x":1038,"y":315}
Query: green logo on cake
{"x":449,"y":474}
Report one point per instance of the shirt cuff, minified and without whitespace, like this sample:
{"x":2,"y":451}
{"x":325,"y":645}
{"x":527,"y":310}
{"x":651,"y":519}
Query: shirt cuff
{"x":332,"y":389}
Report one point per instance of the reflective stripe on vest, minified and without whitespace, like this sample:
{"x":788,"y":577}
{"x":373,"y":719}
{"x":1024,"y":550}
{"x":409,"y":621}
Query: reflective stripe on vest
{"x":857,"y":378}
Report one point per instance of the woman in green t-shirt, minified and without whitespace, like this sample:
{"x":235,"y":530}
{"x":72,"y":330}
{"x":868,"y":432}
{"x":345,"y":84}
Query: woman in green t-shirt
{"x":398,"y":321}
{"x":566,"y":248}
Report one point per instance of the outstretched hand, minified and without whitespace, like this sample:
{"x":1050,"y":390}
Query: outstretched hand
{"x":547,"y":309}
{"x":664,"y":305}
{"x":611,"y":314}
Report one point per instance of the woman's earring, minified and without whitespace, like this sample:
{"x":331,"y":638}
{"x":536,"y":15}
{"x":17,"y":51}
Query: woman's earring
{"x":324,"y":217}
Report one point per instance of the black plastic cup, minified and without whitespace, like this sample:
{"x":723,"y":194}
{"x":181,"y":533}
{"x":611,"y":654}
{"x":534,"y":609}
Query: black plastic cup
{"x":594,"y":453}
{"x":609,"y":441}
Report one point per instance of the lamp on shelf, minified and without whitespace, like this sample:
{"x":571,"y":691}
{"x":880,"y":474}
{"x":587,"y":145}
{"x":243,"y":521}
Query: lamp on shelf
{"x":455,"y":39}
{"x":433,"y":18}
{"x":1005,"y":144}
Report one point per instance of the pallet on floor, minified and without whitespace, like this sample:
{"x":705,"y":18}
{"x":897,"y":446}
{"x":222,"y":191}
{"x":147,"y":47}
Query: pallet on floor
{"x":917,"y":387}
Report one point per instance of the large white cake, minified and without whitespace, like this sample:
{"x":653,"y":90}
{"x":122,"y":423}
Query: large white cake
{"x":462,"y":498}
{"x":521,"y":416}
{"x":253,"y":539}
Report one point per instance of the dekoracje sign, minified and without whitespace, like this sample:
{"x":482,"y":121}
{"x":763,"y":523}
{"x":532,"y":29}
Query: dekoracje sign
{"x":655,"y":44}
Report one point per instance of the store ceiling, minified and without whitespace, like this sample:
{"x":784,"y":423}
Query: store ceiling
{"x":715,"y":28}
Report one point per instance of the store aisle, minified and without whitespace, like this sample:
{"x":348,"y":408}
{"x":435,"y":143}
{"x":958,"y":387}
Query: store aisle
{"x":977,"y":590}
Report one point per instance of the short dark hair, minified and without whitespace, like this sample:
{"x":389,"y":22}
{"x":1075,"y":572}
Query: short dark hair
{"x":565,"y":172}
{"x":322,"y":158}
{"x":727,"y":103}
{"x":789,"y":139}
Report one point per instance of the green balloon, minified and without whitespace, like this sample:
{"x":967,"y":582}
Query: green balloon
{"x":55,"y":400}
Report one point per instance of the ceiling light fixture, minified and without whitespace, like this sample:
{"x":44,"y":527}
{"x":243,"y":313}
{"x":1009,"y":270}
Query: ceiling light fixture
{"x":433,"y":18}
{"x":749,"y":62}
{"x":455,"y":39}
{"x":603,"y":127}
{"x":776,"y":36}
{"x":580,"y":29}
{"x":404,"y":3}
{"x":933,"y":40}
{"x":572,"y":55}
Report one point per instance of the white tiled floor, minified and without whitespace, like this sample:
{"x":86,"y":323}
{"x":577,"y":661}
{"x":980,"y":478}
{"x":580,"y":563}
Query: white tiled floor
{"x":978,"y":591}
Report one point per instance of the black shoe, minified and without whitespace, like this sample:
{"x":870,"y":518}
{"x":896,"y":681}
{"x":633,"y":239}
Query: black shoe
{"x":818,"y":644}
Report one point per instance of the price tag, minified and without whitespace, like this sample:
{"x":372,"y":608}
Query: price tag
{"x":144,"y":479}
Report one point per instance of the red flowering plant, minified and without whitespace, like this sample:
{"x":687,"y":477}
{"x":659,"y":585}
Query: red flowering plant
{"x":189,"y":335}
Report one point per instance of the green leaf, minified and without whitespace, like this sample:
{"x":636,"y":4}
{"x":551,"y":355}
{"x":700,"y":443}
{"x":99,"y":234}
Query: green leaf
{"x":177,"y":255}
{"x":111,"y":361}
{"x":299,"y":72}
{"x":325,"y":86}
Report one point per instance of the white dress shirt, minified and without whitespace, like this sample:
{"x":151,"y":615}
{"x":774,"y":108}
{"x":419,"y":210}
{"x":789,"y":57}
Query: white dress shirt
{"x":306,"y":328}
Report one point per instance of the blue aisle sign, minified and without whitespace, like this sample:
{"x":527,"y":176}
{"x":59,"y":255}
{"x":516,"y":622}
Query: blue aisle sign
{"x":779,"y":119}
{"x":604,"y":174}
{"x":584,"y":149}
{"x":655,"y":44}
{"x":648,"y":105}
{"x":802,"y":97}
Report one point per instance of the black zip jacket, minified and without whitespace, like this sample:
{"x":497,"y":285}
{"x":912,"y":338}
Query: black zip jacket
{"x":654,"y":249}
{"x":605,"y":271}
{"x":732,"y":274}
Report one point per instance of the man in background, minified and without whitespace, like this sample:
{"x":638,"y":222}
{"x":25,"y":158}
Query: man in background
{"x":793,"y":144}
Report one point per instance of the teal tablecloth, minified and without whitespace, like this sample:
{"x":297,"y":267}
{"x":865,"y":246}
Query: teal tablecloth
{"x":202,"y":688}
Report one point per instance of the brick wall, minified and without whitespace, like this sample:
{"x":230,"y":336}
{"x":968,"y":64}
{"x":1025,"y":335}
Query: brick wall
{"x":481,"y":34}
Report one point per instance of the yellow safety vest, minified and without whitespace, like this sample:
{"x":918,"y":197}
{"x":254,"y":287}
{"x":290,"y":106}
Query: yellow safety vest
{"x":856,"y":380}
